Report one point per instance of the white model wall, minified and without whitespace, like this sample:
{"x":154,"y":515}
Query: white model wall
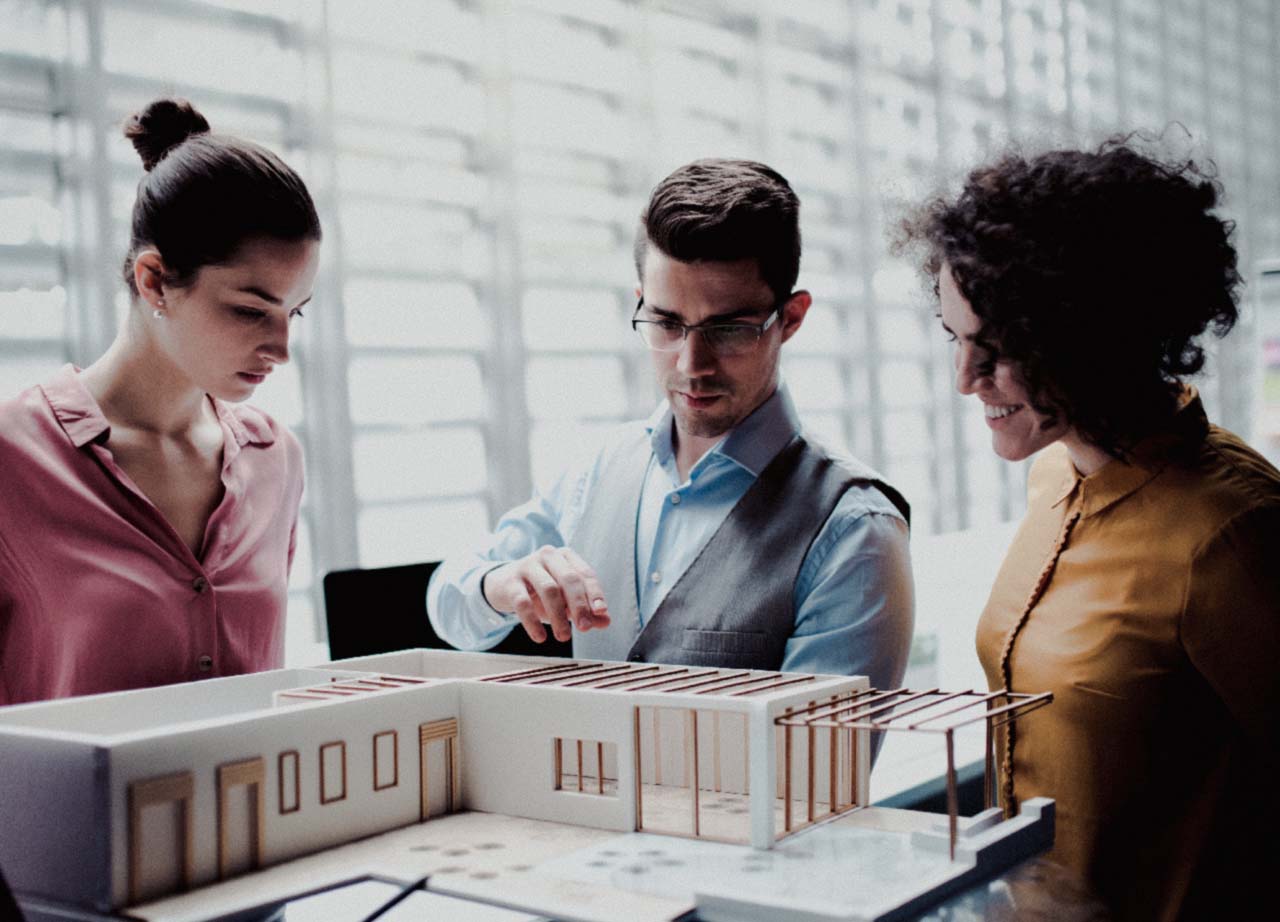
{"x":508,"y":734}
{"x":444,"y":664}
{"x":146,"y":709}
{"x":304,"y":728}
{"x":53,"y":819}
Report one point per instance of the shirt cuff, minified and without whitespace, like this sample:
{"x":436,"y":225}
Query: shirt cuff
{"x":487,"y":618}
{"x":506,"y":616}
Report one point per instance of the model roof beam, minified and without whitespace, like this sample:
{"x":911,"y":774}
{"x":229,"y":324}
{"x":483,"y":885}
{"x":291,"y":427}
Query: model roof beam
{"x":678,"y":678}
{"x":591,"y":680}
{"x":525,"y":673}
{"x":582,"y":669}
{"x":739,"y":683}
{"x":718,"y":678}
{"x":635,"y":675}
{"x":779,"y":683}
{"x":594,"y":671}
{"x":824,"y":715}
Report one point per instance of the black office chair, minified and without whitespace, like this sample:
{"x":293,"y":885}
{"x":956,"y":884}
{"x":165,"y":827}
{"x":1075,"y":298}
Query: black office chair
{"x":385,"y":609}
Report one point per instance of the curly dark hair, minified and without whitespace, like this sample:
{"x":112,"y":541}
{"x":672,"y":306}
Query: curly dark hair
{"x":1094,"y":273}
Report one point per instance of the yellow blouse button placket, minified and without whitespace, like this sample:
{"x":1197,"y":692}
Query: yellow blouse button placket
{"x":1006,"y":655}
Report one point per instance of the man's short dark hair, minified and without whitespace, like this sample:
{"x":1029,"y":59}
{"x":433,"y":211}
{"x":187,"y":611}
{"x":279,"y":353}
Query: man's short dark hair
{"x":724,"y":210}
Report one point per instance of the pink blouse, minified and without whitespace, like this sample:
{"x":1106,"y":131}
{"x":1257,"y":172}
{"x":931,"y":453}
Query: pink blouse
{"x":97,"y":591}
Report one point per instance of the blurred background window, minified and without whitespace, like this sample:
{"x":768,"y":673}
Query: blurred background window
{"x":480,"y":164}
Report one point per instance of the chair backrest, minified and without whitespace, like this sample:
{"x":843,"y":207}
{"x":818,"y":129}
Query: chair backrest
{"x":384,"y":609}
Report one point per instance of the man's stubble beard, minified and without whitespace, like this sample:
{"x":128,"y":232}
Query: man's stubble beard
{"x":705,"y":427}
{"x":700,"y":425}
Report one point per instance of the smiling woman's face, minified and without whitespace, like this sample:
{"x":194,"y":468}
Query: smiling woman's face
{"x":1017,"y":430}
{"x":229,"y":328}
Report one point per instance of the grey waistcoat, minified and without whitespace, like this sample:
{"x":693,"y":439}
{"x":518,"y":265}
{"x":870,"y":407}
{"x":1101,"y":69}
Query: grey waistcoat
{"x":734,"y":606}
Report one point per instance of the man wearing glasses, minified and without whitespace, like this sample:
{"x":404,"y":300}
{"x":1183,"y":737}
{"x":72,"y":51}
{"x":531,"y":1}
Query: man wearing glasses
{"x":715,"y":533}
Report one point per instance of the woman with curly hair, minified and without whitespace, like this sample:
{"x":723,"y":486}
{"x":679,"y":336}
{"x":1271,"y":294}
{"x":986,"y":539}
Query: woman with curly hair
{"x":1142,"y":587}
{"x":147,"y":516}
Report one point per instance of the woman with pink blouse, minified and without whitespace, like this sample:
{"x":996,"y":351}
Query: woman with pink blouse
{"x":147,"y":515}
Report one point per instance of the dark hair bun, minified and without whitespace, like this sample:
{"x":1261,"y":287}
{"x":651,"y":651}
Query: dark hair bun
{"x":161,"y":127}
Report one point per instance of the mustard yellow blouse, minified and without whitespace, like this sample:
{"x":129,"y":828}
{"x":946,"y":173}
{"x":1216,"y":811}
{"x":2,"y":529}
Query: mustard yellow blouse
{"x":1146,"y":597}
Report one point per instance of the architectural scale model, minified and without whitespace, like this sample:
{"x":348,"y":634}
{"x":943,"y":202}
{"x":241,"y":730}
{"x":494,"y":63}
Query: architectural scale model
{"x":118,"y":800}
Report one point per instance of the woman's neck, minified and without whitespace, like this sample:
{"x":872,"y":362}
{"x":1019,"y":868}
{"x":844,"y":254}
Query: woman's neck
{"x":1087,"y":457}
{"x":137,"y":386}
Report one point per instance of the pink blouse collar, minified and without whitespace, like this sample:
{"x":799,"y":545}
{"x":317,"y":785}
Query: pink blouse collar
{"x":82,"y":419}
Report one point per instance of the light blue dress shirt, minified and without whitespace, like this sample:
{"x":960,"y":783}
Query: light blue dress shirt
{"x":853,"y":596}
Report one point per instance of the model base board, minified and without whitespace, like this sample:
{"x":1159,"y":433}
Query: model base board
{"x":875,"y":865}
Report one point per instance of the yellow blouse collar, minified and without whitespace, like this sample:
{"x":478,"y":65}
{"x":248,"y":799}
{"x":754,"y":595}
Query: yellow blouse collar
{"x":1119,"y":478}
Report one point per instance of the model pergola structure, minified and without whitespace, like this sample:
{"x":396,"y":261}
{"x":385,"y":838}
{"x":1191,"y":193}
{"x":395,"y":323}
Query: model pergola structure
{"x":933,"y":711}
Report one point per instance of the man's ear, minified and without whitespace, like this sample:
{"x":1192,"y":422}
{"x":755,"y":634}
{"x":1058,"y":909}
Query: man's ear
{"x":148,"y":277}
{"x":793,"y":313}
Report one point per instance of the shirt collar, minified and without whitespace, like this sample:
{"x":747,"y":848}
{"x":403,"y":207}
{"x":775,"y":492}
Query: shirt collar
{"x":1119,"y":478}
{"x":247,"y":424}
{"x":752,"y":444}
{"x":82,"y":420}
{"x":74,"y":407}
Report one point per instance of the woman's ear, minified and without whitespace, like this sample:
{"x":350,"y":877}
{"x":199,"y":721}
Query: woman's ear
{"x":148,"y":277}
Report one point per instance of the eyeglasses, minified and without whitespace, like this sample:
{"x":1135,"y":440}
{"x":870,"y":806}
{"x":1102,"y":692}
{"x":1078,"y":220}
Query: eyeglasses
{"x":734,"y":338}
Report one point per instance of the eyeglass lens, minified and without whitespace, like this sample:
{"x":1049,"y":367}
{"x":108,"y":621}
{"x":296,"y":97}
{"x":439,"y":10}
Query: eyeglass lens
{"x":721,"y":338}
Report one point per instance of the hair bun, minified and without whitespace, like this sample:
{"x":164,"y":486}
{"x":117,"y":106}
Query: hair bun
{"x":161,"y":127}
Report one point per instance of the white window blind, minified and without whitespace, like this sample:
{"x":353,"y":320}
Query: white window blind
{"x":480,"y":164}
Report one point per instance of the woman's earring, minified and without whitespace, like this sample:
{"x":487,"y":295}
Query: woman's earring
{"x":158,"y":313}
